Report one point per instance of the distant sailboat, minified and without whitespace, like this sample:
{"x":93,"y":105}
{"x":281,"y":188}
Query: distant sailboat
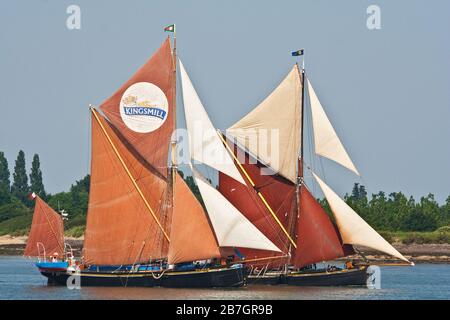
{"x":282,"y":207}
{"x":46,"y":239}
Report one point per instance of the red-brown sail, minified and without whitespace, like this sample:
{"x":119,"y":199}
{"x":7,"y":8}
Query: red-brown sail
{"x":317,"y":237}
{"x":191,"y":236}
{"x":152,"y":145}
{"x":279,"y":193}
{"x":120,"y":227}
{"x":46,"y":229}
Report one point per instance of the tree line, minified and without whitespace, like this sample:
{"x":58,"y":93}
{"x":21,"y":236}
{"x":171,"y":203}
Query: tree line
{"x":393,"y":212}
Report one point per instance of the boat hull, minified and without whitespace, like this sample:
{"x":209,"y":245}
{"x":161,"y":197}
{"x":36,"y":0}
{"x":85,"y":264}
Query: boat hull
{"x":346,"y":277}
{"x":209,"y":278}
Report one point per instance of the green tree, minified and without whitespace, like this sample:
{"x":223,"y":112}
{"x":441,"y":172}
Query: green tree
{"x":417,"y":220}
{"x":444,"y":219}
{"x":36,"y":184}
{"x":5,"y":183}
{"x":398,"y":209}
{"x":358,"y":200}
{"x":20,"y":188}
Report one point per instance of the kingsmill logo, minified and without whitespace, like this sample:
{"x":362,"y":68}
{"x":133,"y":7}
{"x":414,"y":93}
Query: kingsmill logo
{"x":133,"y":107}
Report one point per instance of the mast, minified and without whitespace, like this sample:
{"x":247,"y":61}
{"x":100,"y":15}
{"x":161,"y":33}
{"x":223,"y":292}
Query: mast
{"x":174,"y":102}
{"x":173,"y":143}
{"x":295,"y":215}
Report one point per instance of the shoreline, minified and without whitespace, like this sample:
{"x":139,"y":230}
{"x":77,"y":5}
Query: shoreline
{"x":418,"y":253}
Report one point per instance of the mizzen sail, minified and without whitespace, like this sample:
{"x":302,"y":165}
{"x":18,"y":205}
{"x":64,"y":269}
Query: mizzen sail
{"x":326,"y":141}
{"x":279,"y":115}
{"x":353,"y":229}
{"x":47,"y":230}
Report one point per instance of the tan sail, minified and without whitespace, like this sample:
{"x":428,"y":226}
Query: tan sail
{"x":326,"y":141}
{"x":280,"y":111}
{"x":353,"y":229}
{"x":47,"y":232}
{"x":120,"y":227}
{"x":191,"y":235}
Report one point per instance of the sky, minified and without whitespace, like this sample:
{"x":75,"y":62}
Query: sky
{"x":386,"y":90}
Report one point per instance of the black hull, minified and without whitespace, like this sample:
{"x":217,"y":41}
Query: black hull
{"x":224,"y":277}
{"x":352,"y":277}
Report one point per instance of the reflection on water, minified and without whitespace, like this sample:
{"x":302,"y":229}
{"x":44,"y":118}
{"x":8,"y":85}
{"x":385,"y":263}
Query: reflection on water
{"x":19,"y":279}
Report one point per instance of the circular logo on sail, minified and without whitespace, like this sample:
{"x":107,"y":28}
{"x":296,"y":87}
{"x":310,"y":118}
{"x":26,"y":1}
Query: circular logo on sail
{"x":144,"y":107}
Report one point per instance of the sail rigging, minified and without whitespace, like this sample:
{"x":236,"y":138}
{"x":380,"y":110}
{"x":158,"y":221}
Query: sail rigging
{"x":126,"y":202}
{"x":204,"y":143}
{"x":147,"y":119}
{"x":326,"y":141}
{"x":353,"y":229}
{"x":47,"y":230}
{"x":271,"y":131}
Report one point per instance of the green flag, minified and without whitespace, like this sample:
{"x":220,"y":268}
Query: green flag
{"x":170,"y":28}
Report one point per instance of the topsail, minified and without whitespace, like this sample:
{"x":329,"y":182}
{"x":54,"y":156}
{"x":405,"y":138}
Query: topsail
{"x":204,"y":143}
{"x":271,"y":131}
{"x":326,"y":141}
{"x":143,"y":108}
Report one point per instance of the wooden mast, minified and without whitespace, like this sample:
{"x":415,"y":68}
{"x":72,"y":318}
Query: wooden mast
{"x":295,"y":215}
{"x":174,"y":109}
{"x":133,"y":181}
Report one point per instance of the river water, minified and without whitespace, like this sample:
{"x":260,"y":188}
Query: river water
{"x":19,"y":279}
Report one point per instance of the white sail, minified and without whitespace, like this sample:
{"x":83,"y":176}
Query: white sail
{"x":353,"y":229}
{"x":280,"y":111}
{"x":231,"y":227}
{"x":327,"y":143}
{"x":204,"y":143}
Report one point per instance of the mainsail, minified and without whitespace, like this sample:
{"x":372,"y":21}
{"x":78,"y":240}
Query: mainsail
{"x":326,"y":141}
{"x":353,"y":229}
{"x":191,"y":235}
{"x":280,"y":194}
{"x":279,"y":115}
{"x":47,"y":232}
{"x":121,"y":228}
{"x":143,"y":108}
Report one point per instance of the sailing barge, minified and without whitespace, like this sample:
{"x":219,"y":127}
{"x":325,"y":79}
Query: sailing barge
{"x":145,"y":227}
{"x":282,"y":206}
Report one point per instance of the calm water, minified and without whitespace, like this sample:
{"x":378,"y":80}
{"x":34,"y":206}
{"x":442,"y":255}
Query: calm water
{"x":19,"y":279}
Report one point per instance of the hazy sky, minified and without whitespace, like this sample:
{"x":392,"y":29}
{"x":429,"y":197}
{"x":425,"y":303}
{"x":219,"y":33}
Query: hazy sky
{"x":386,"y":91}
